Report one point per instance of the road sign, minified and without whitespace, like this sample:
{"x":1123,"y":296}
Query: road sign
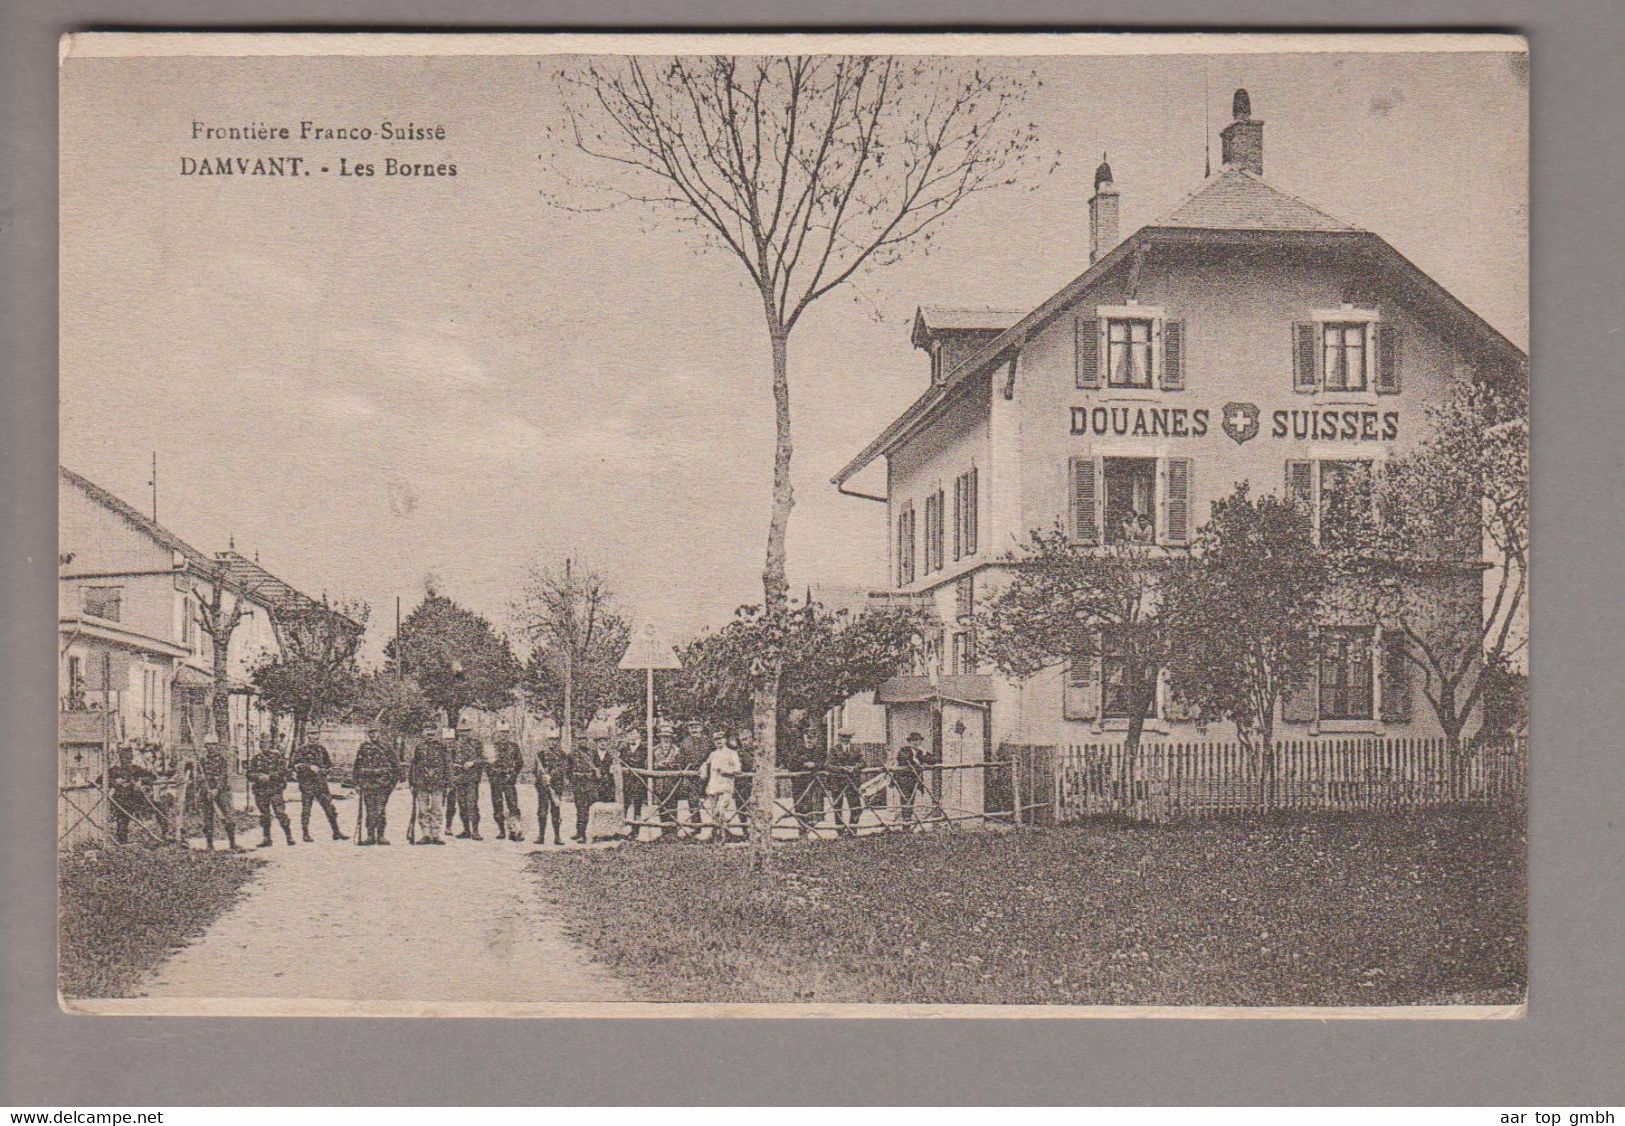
{"x":648,"y":650}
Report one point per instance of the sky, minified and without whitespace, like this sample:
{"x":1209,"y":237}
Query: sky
{"x":376,"y":385}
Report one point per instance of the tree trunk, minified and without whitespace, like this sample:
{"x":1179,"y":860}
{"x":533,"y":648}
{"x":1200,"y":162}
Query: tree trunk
{"x":775,"y":595}
{"x":220,"y":696}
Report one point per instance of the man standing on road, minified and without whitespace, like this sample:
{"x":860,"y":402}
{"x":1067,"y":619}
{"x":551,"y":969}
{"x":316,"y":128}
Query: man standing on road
{"x":429,"y":775}
{"x":506,"y":763}
{"x":213,"y":779}
{"x":376,"y":773}
{"x":549,"y":792}
{"x":589,"y":768}
{"x":691,"y":755}
{"x":467,"y":768}
{"x":311,"y":764}
{"x":267,"y":778}
{"x":843,"y":779}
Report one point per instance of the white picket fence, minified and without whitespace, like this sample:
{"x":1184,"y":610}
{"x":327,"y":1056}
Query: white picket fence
{"x":1169,"y":781}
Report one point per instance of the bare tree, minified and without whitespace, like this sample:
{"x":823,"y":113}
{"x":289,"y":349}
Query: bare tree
{"x":218,"y":623}
{"x":807,"y":169}
{"x":577,"y":637}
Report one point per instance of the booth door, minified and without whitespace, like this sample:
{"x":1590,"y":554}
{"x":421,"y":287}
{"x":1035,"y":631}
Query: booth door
{"x":964,"y":745}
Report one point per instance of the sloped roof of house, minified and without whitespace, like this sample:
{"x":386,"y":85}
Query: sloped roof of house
{"x":132,"y":516}
{"x":1236,"y":200}
{"x":1231,"y":206}
{"x":282,"y":599}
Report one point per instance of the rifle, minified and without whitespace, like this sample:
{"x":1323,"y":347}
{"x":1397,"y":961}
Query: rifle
{"x":360,"y":811}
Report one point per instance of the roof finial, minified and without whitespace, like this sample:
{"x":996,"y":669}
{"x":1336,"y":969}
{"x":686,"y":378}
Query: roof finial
{"x":231,"y":542}
{"x":1103,"y":174}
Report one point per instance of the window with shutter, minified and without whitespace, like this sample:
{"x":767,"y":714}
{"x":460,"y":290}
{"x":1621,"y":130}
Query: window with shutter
{"x":1387,"y":359}
{"x":1396,"y":687}
{"x":1177,"y":507}
{"x":1085,"y":513}
{"x":905,"y":545}
{"x":1305,"y":356}
{"x":1345,"y":673}
{"x":959,"y":517}
{"x":1173,"y":355}
{"x":1300,"y":482}
{"x":1086,"y":336}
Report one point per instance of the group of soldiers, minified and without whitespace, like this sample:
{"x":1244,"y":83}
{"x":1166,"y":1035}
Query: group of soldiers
{"x":679,"y":783}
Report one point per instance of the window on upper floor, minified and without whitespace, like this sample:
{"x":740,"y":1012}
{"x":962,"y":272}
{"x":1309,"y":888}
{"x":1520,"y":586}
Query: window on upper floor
{"x":1346,"y":352}
{"x":1128,"y":352}
{"x":934,"y":539}
{"x":1139,"y":347}
{"x":1343,"y":351}
{"x":105,"y":602}
{"x":905,"y":544}
{"x":965,"y":500}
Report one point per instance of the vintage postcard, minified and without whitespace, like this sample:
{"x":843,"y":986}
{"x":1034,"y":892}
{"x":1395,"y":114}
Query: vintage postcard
{"x":794,"y":525}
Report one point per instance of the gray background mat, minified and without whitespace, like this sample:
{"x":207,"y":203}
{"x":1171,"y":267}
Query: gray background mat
{"x":1569,"y":1049}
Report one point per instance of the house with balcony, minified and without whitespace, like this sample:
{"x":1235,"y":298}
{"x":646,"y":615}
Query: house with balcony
{"x":1246,"y":336}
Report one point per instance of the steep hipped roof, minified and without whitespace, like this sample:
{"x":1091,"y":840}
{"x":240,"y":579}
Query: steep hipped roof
{"x":1236,"y":200}
{"x":132,"y":516}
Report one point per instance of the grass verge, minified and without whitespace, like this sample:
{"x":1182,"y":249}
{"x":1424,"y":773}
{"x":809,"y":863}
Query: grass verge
{"x":1421,"y":908}
{"x":122,"y":910}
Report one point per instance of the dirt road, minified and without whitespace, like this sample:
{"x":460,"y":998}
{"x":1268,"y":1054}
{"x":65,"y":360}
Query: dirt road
{"x":378,"y":929}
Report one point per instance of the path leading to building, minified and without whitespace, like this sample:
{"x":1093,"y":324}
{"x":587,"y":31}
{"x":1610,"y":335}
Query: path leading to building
{"x":381,"y":929}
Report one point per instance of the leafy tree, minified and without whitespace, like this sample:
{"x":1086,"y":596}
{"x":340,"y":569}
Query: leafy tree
{"x":455,"y":657}
{"x":1457,"y":503}
{"x":1064,"y":597}
{"x":1247,"y":607}
{"x":805,"y":169}
{"x":396,"y":702}
{"x":314,"y":676}
{"x":570,"y":618}
{"x":824,"y":657}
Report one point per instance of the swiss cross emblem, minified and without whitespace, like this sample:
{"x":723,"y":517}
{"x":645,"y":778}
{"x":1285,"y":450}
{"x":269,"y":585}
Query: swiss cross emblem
{"x":1241,"y":421}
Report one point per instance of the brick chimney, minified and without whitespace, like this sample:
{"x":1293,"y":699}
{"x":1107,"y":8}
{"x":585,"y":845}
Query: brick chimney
{"x":1102,"y":212}
{"x":1241,"y":144}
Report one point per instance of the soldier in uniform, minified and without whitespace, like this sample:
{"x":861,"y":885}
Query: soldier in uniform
{"x":691,"y":755}
{"x":128,"y":783}
{"x":549,"y":792}
{"x":429,"y":776}
{"x":807,"y":790}
{"x":843,"y":779}
{"x":311,"y":764}
{"x":506,"y":762}
{"x":588,"y":769}
{"x":212,"y":776}
{"x":467,"y":768}
{"x":268,"y":777}
{"x":376,"y":773}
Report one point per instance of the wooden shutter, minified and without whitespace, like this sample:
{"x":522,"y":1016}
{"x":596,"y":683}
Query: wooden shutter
{"x":1387,"y":359}
{"x":1080,"y":693}
{"x":959,"y":516}
{"x":1303,"y":706}
{"x":1396,"y":687}
{"x":1173,"y":355}
{"x":1086,"y":335}
{"x":1300,"y":482}
{"x":1177,"y":506}
{"x":1305,"y":356}
{"x":1085,"y":511}
{"x":970,"y":512}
